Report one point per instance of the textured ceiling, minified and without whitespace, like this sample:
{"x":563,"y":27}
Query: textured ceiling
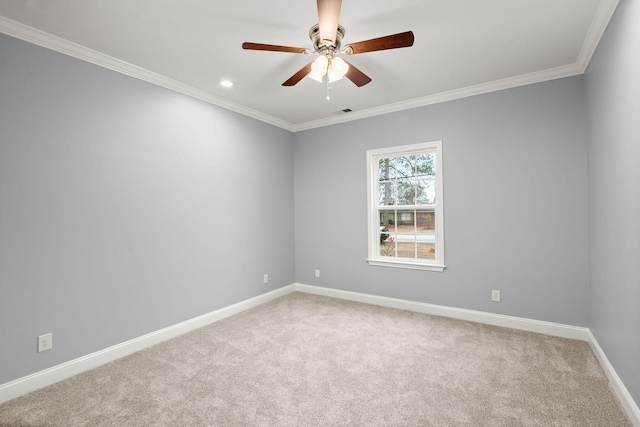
{"x":462,"y":48}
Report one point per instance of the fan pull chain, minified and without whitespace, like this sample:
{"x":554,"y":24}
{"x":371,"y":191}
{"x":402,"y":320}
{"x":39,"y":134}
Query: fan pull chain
{"x":328,"y":90}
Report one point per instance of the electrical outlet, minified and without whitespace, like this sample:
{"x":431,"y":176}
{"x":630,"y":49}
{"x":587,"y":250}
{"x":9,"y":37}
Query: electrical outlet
{"x":317,"y":273}
{"x":495,"y":296}
{"x":265,"y":279}
{"x":45,"y":342}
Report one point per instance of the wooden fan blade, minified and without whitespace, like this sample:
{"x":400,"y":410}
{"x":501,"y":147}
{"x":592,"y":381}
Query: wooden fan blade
{"x":356,"y":76}
{"x":273,"y":47}
{"x":393,"y":41}
{"x":328,"y":20}
{"x":301,"y":74}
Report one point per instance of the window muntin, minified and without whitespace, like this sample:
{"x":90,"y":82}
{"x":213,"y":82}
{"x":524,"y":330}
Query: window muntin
{"x":405,"y":206}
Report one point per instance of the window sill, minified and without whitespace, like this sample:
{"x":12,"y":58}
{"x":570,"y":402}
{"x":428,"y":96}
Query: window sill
{"x":408,"y":265}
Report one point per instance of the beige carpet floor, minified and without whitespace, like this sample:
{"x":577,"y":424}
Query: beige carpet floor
{"x":307,"y":360}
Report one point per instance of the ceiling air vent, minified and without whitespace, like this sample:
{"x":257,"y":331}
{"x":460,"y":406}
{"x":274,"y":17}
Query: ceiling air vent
{"x":346,"y":110}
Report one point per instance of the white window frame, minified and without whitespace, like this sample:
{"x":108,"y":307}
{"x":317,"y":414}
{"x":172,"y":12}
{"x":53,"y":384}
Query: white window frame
{"x":373,"y":218}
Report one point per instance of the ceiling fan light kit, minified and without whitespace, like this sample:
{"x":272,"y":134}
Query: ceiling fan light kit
{"x":333,"y":67}
{"x":326,"y":37}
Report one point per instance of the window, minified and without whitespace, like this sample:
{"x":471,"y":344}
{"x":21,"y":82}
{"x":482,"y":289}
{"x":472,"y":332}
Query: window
{"x":405,"y":206}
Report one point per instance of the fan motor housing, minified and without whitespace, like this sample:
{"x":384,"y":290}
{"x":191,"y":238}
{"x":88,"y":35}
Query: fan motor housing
{"x":314,"y":35}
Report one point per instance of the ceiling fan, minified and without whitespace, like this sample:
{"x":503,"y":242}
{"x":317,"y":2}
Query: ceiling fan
{"x":327,"y":36}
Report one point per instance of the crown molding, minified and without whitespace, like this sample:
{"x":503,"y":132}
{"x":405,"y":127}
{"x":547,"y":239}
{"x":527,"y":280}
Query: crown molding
{"x":596,"y":30}
{"x":40,"y":38}
{"x":479,"y":89}
{"x":594,"y":34}
{"x":60,"y":45}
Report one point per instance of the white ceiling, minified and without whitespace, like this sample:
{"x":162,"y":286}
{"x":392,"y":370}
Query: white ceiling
{"x":462,"y":48}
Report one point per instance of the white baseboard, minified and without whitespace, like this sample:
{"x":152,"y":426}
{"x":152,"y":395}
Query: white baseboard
{"x":65,"y":370}
{"x":46,"y":377}
{"x":547,"y":328}
{"x":621,"y":391}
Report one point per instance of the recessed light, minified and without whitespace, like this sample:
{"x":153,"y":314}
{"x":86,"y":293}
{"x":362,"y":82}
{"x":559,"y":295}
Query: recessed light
{"x":226,"y":83}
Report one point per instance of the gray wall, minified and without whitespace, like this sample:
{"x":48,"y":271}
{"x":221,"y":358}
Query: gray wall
{"x":613,"y":95}
{"x":515,"y":203}
{"x":126,"y":208}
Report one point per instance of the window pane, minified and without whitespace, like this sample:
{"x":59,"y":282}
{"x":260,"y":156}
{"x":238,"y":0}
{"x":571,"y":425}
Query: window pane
{"x":425,"y":164}
{"x":388,"y":248}
{"x":383,"y":165}
{"x":386,"y":218}
{"x":405,"y":223}
{"x":406,"y":192}
{"x":407,"y":250}
{"x":425,"y":223}
{"x":388,"y":169}
{"x":426,"y":191}
{"x":405,"y":167}
{"x":426,"y":250}
{"x":387,"y":193}
{"x":386,"y":234}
